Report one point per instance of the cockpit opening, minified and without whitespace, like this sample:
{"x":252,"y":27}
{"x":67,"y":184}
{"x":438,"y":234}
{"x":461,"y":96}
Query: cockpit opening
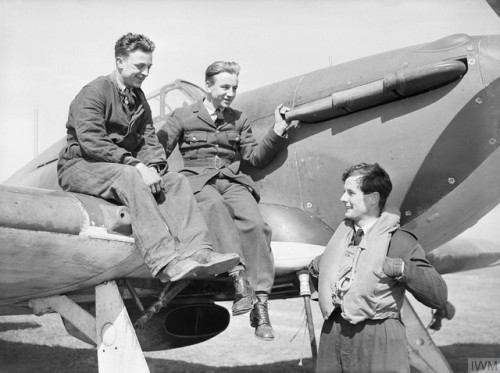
{"x":171,"y":96}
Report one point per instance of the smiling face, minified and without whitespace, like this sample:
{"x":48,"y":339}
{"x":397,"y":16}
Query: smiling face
{"x":222,"y":90}
{"x":134,"y":68}
{"x":358,"y":206}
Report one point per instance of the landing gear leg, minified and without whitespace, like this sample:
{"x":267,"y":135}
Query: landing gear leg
{"x":118,"y":349}
{"x":425,"y":356}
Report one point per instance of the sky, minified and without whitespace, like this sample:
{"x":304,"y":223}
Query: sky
{"x":50,"y":49}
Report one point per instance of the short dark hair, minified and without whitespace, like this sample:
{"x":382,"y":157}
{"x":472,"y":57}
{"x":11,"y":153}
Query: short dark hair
{"x":221,"y":67}
{"x":374,"y":179}
{"x":131,"y":42}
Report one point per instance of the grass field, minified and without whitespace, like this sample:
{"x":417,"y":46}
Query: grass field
{"x":41,"y":344}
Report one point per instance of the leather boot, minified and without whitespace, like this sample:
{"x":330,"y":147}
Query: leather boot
{"x":259,"y":319}
{"x":244,"y":296}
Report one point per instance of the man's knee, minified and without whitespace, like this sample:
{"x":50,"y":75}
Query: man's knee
{"x":216,"y":206}
{"x":256,"y":223}
{"x":130,"y":174}
{"x":130,"y":180}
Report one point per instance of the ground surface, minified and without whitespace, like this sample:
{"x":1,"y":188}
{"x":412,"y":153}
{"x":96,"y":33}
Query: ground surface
{"x":41,"y":344}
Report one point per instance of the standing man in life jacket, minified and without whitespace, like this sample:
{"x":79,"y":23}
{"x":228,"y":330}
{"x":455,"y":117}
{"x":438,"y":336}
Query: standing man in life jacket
{"x":364,"y":272}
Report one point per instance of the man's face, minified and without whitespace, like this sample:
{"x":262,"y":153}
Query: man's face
{"x":223,"y":89}
{"x":134,"y":68}
{"x":357,"y":204}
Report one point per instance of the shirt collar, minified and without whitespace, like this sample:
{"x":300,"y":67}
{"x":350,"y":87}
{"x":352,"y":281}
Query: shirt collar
{"x":210,"y":108}
{"x":118,"y":82}
{"x":366,"y":227}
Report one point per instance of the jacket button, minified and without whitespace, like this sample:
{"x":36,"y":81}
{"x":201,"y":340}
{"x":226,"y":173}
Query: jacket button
{"x":194,"y":138}
{"x":217,"y":132}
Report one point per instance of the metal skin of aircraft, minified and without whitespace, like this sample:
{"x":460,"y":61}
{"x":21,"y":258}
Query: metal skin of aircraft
{"x":429,"y":114}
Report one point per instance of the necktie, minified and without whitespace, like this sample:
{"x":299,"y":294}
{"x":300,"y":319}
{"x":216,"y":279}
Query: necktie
{"x":356,"y":239}
{"x":128,"y":98}
{"x":220,"y":117}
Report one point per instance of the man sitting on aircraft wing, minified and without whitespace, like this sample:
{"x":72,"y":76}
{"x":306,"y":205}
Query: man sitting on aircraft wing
{"x":363,"y":274}
{"x":213,"y":140}
{"x":112,"y":152}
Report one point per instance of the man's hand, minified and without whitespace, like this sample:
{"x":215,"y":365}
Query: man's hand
{"x":393,"y":267}
{"x":150,"y":177}
{"x":313,"y":267}
{"x":280,"y":125}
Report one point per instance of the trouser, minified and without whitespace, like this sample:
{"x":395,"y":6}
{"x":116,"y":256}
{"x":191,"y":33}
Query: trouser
{"x":369,"y":346}
{"x":236,"y":226}
{"x":168,"y":226}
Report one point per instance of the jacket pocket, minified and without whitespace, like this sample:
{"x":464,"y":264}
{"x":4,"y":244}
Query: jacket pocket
{"x":195,"y":136}
{"x":234,"y":139}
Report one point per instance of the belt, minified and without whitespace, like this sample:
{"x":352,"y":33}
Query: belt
{"x":212,"y":162}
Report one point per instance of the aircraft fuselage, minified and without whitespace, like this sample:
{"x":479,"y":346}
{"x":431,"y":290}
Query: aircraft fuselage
{"x":428,"y":114}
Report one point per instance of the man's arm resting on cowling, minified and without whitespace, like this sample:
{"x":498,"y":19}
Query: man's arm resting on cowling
{"x":261,"y":154}
{"x":407,"y":263}
{"x":280,"y":124}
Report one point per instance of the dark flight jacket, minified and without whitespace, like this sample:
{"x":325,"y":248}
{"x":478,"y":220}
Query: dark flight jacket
{"x":100,"y":130}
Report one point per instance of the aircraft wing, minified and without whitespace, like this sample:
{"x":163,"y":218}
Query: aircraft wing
{"x":463,"y":253}
{"x":55,"y":242}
